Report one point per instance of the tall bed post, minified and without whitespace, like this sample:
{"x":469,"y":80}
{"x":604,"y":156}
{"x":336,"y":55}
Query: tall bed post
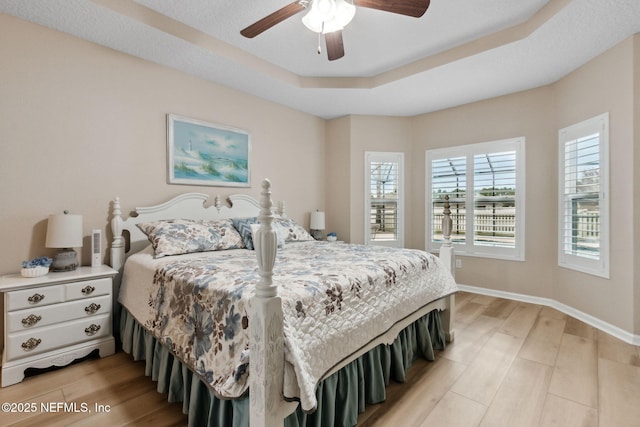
{"x":446,"y":248}
{"x":447,"y":256}
{"x":266,"y":330}
{"x":117,"y":245}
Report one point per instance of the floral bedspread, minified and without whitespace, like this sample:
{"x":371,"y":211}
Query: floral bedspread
{"x":335,"y":297}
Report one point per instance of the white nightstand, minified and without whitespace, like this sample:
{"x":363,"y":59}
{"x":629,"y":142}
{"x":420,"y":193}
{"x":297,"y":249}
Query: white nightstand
{"x":55,"y":319}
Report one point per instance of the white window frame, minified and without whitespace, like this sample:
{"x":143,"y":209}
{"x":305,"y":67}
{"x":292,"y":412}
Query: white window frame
{"x":383,"y":156}
{"x":597,"y":267}
{"x":468,"y":248}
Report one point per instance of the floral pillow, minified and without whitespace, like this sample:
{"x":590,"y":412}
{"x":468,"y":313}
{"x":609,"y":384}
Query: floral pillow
{"x":295,"y":232}
{"x":287,"y":230}
{"x":183,"y":236}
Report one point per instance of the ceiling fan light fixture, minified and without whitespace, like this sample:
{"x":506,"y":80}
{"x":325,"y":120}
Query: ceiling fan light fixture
{"x":326,"y":16}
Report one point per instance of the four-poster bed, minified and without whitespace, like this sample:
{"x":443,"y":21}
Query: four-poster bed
{"x":283,"y":321}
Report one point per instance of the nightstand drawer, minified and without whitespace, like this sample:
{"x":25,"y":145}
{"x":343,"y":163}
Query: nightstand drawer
{"x":88,"y":288}
{"x":40,"y":340}
{"x":43,"y":295}
{"x":29,"y":319}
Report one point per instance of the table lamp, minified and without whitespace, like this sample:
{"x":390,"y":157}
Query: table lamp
{"x":64,"y":231}
{"x":316,"y":225}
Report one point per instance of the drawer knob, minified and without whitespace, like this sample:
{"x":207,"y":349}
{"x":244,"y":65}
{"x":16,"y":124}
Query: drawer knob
{"x":31,"y":320}
{"x":31,"y":343}
{"x":88,"y":290}
{"x":35,"y":298}
{"x":92,"y":330}
{"x":92,"y":308}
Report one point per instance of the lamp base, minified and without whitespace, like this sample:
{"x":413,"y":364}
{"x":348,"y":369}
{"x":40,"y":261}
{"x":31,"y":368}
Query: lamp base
{"x":317,"y":234}
{"x":65,"y":260}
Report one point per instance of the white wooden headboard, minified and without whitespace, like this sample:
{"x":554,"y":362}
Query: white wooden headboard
{"x":188,"y":205}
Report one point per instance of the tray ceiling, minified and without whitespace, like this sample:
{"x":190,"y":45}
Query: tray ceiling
{"x":458,"y":52}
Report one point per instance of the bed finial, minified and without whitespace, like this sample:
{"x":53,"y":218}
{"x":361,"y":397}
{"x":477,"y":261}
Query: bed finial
{"x":265,"y":324}
{"x":447,"y":255}
{"x":266,"y":243}
{"x":117,"y":246}
{"x":447,"y":224}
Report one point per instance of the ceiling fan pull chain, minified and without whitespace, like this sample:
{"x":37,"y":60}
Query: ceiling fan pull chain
{"x":320,"y":39}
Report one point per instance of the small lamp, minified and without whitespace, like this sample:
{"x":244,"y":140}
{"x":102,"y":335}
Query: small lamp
{"x":317,"y":224}
{"x":64,"y":231}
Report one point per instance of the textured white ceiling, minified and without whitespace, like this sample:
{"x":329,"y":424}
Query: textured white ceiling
{"x":375,"y":41}
{"x":460,"y":51}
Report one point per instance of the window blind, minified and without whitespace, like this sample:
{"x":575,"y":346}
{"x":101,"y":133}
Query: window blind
{"x":383,"y":217}
{"x":581,"y":220}
{"x":494,"y":196}
{"x":485,"y":186}
{"x":583,"y":201}
{"x":449,"y":178}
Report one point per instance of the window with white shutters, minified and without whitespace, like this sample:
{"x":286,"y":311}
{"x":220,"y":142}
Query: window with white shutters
{"x":583,"y":205}
{"x":485,"y":186}
{"x":448,"y":178}
{"x":384,"y":198}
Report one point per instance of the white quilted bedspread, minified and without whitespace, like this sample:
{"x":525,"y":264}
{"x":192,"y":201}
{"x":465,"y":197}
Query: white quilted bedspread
{"x":336,"y":298}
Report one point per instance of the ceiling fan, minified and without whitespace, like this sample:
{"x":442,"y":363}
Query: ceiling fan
{"x":329,"y":17}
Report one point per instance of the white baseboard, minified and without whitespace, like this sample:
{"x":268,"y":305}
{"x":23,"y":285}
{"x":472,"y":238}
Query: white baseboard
{"x":615,"y":331}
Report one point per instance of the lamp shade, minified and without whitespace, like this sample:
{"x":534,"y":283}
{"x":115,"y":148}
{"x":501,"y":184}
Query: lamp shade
{"x":64,"y":231}
{"x":317,"y":221}
{"x":326,"y":16}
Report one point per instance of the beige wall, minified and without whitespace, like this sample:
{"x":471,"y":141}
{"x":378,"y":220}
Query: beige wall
{"x":605,"y":85}
{"x":376,"y":133}
{"x":81,"y":124}
{"x":601,"y":85}
{"x":337,"y":177}
{"x":523,"y":114}
{"x":348,"y":138}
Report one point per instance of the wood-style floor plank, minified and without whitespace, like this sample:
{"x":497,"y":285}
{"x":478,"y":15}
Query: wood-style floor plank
{"x":471,"y":338}
{"x":416,"y":403}
{"x":560,"y":412}
{"x":485,"y":373}
{"x":543,"y":342}
{"x":521,"y":396}
{"x":619,"y":396}
{"x":512,"y":364}
{"x":575,"y":375}
{"x":455,"y":411}
{"x":520,"y":321}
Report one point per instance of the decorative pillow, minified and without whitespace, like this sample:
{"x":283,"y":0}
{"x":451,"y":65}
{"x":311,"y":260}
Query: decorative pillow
{"x":183,"y":236}
{"x":243,"y":225}
{"x":295,"y":232}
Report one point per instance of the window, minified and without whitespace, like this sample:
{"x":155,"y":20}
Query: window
{"x":384,"y":216}
{"x":485,"y":185}
{"x":583,"y":217}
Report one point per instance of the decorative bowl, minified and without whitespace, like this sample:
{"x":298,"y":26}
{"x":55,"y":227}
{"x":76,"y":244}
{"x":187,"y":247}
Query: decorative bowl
{"x":332,"y":238}
{"x":34,"y":271}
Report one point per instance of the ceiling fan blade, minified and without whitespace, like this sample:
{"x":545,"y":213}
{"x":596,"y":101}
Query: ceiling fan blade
{"x":335,"y":48}
{"x":415,"y":8}
{"x":269,"y":21}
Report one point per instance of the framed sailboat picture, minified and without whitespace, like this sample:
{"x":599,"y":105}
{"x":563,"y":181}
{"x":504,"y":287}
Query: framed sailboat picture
{"x":201,"y":153}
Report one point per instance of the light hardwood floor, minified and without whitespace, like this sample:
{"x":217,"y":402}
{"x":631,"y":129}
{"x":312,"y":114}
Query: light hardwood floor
{"x":512,"y":364}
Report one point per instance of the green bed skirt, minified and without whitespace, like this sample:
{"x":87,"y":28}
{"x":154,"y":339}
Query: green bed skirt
{"x":341,"y":397}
